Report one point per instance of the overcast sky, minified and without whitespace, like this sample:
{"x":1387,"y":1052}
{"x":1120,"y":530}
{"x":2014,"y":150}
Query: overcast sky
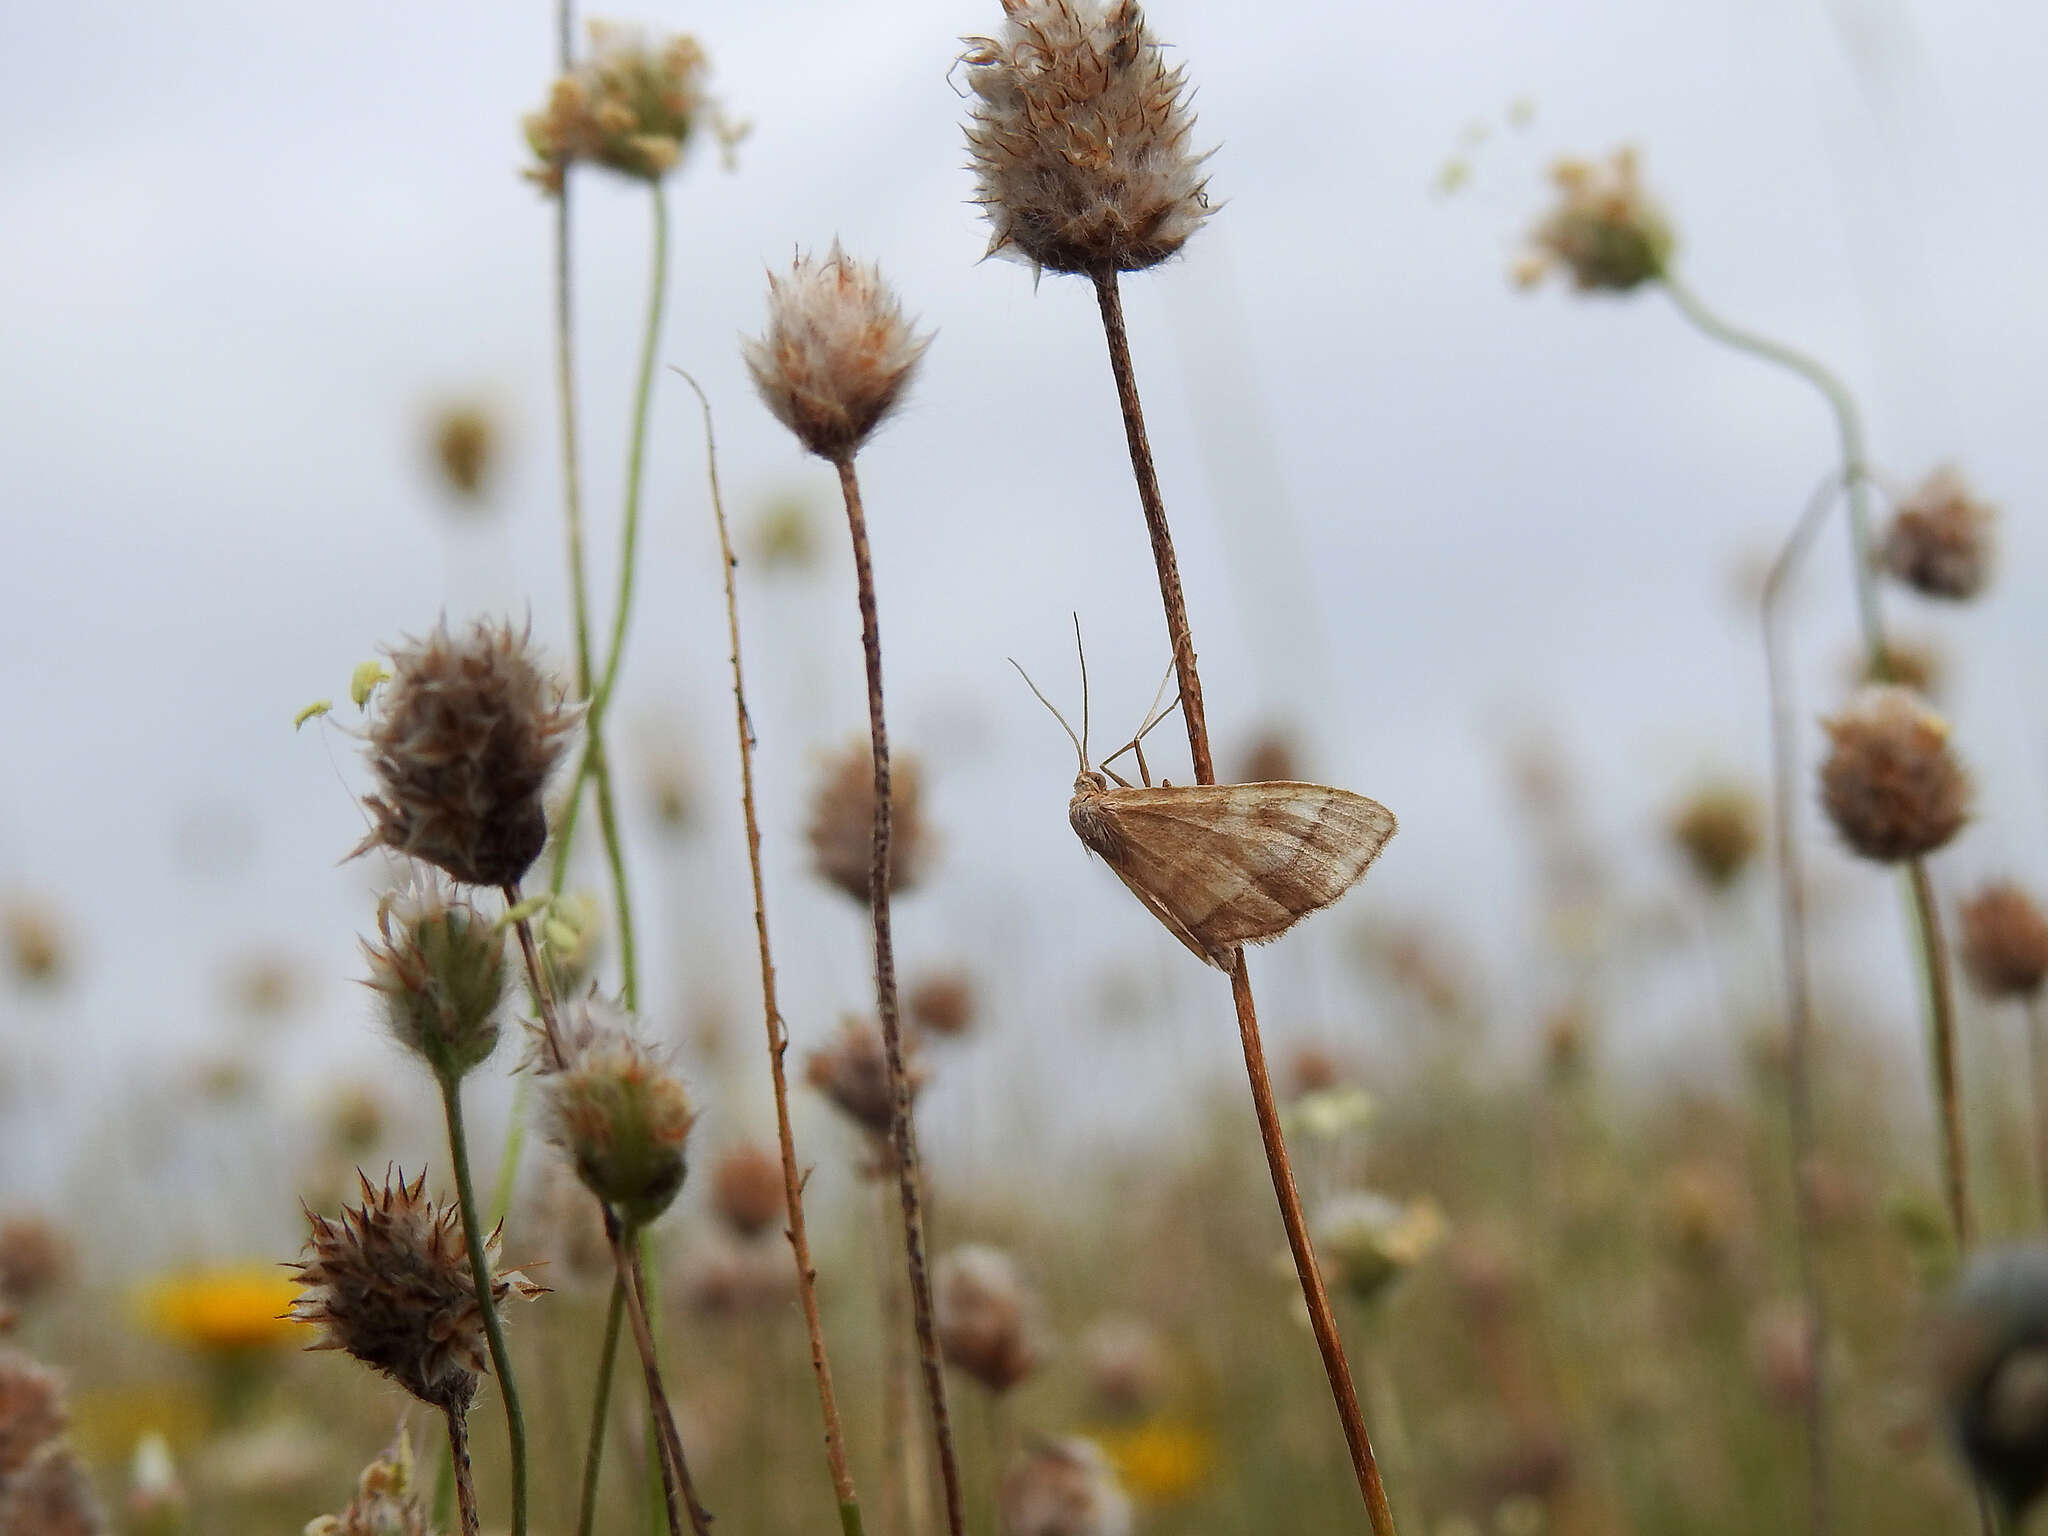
{"x":1419,"y":513}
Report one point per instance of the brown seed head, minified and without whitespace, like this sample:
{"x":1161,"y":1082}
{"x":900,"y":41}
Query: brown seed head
{"x":35,"y":1257}
{"x":837,"y":354}
{"x":843,"y":823}
{"x":943,"y":1004}
{"x":438,"y":968}
{"x":1892,"y":785}
{"x":388,"y":1500}
{"x":1126,"y":1365}
{"x":853,"y":1072}
{"x":618,"y":1112}
{"x":630,"y":106}
{"x":36,"y":949}
{"x":2004,"y":942}
{"x":1939,"y":543}
{"x":31,"y":1411}
{"x":1605,"y":231}
{"x":389,"y":1282}
{"x":747,"y":1190}
{"x":1781,"y":1353}
{"x":1064,"y":1488}
{"x":51,"y":1497}
{"x":1701,"y":1214}
{"x":1718,"y":829}
{"x":987,"y":1317}
{"x":465,"y":736}
{"x":463,"y":440}
{"x":1078,"y":139}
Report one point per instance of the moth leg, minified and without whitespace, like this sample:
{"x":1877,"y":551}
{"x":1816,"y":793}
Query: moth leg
{"x":1122,"y":782}
{"x":1143,"y":772}
{"x":1135,"y":744}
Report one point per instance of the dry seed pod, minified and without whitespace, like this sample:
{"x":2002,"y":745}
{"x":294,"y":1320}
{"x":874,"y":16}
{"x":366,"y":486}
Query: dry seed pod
{"x":943,"y":1004}
{"x":853,"y":1072}
{"x":843,"y":823}
{"x":1718,"y":829}
{"x":1604,"y":231}
{"x":463,"y":441}
{"x":2004,"y":942}
{"x":438,"y":968}
{"x":35,"y":1257}
{"x":1939,"y":542}
{"x":617,"y":1111}
{"x":747,"y":1189}
{"x":1892,"y":784}
{"x":1064,"y":1488}
{"x":987,"y":1317}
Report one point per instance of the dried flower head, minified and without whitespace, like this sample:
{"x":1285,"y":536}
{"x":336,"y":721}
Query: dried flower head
{"x":1718,"y":829}
{"x":51,"y":1496}
{"x":36,"y":949}
{"x":463,"y":441}
{"x":1126,"y":1365}
{"x":2004,"y":942}
{"x":1892,"y":784}
{"x":842,"y":827}
{"x":1079,"y":139}
{"x":853,"y":1072}
{"x":1605,"y":230}
{"x":389,"y":1282}
{"x":1372,"y":1241}
{"x":747,"y":1189}
{"x":389,"y":1500}
{"x":630,"y":106}
{"x":438,"y":968}
{"x":943,"y":1003}
{"x":1701,"y":1214}
{"x":1063,"y":1488}
{"x":1939,"y":542}
{"x":1990,"y":1356}
{"x":987,"y":1317}
{"x":464,"y":739}
{"x":618,"y":1112}
{"x":31,"y":1411}
{"x":35,"y":1257}
{"x":837,"y":354}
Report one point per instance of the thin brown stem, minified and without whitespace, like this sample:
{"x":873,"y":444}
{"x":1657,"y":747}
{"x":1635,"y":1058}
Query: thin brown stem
{"x":1941,"y":1014}
{"x":537,"y":982}
{"x":465,"y":1479}
{"x":778,"y":1033}
{"x":677,"y":1488}
{"x":902,"y":1131}
{"x":1110,"y":300}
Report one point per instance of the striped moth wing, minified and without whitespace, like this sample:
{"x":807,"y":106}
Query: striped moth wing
{"x":1228,"y":864}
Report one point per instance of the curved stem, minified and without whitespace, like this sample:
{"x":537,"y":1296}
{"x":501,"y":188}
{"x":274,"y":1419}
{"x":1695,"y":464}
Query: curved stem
{"x":486,"y":1301}
{"x":593,"y":1455}
{"x":1371,"y":1487}
{"x":902,"y":1130}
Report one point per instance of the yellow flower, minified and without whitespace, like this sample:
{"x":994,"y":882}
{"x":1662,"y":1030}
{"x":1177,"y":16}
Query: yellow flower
{"x":1163,"y":1460}
{"x":229,"y":1309}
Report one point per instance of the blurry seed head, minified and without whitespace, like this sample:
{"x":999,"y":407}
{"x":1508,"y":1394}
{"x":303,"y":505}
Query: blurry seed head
{"x":784,"y":535}
{"x":37,"y":951}
{"x":571,"y":940}
{"x":355,"y":1116}
{"x":1701,"y":1214}
{"x":35,"y":1258}
{"x":842,"y":826}
{"x":463,"y":740}
{"x":32,"y":1411}
{"x":987,"y":1317}
{"x":747,"y":1189}
{"x":1990,"y":1356}
{"x":1063,"y":1488}
{"x":1604,"y":230}
{"x":2004,"y":942}
{"x":1781,"y":1353}
{"x":389,"y":1499}
{"x":438,"y":968}
{"x":943,"y":1003}
{"x":1718,"y":828}
{"x":1079,"y":139}
{"x":837,"y":353}
{"x":1370,"y":1241}
{"x":389,"y":1282}
{"x":630,"y":106}
{"x":617,"y":1111}
{"x":1940,"y":539}
{"x":726,"y":1278}
{"x":463,"y":441}
{"x":1125,"y":1362}
{"x":1891,"y":783}
{"x":853,"y":1072}
{"x":51,"y":1496}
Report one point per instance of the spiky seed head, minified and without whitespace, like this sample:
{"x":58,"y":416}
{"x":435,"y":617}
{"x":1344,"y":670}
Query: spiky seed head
{"x":747,"y":1189}
{"x":1605,"y":230}
{"x":1079,"y":139}
{"x":2004,"y":942}
{"x":1990,"y":1358}
{"x":1939,"y":542}
{"x":389,"y":1500}
{"x":842,"y":827}
{"x":1372,"y":1241}
{"x":438,"y":969}
{"x":463,"y":440}
{"x":31,"y":1411}
{"x":837,"y":354}
{"x":389,"y":1282}
{"x":51,"y":1496}
{"x":1064,"y":1488}
{"x":853,"y":1072}
{"x":1718,"y":828}
{"x":630,"y":106}
{"x":463,"y":741}
{"x":943,"y":1003}
{"x":987,"y":1317}
{"x":1891,"y":783}
{"x":617,"y":1111}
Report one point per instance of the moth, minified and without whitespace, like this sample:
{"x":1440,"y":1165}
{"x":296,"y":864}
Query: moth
{"x":1220,"y":864}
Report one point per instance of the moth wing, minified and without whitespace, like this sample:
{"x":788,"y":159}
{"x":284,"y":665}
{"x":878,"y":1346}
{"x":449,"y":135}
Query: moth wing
{"x":1229,"y":864}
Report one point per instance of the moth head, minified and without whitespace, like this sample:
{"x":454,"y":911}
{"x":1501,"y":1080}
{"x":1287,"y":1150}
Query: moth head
{"x":1090,"y":781}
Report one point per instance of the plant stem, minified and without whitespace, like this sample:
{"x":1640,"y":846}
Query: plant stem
{"x":458,"y":1458}
{"x":2037,"y":1063}
{"x":487,"y":1305}
{"x":902,"y":1132}
{"x":668,"y":1445}
{"x":771,"y":1013}
{"x":1109,"y":299}
{"x":537,"y":982}
{"x":1941,"y":1009}
{"x":593,"y":1455}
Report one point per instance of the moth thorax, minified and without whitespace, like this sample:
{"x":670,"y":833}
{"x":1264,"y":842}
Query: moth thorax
{"x":1091,"y":822}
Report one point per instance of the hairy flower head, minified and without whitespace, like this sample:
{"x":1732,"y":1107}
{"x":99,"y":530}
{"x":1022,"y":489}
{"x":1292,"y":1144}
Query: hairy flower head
{"x":1892,"y":784}
{"x":747,"y":1189}
{"x":631,"y":106}
{"x":1064,"y":1488}
{"x":853,"y":1072}
{"x":1605,"y":231}
{"x":438,"y":969}
{"x":1939,"y":542}
{"x":1718,"y":828}
{"x":1079,"y":139}
{"x":2004,"y":942}
{"x":617,"y":1111}
{"x":987,"y":1317}
{"x":842,"y":829}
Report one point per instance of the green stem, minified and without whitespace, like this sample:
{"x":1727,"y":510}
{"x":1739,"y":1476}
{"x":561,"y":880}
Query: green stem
{"x":593,"y":1456}
{"x":480,"y":1273}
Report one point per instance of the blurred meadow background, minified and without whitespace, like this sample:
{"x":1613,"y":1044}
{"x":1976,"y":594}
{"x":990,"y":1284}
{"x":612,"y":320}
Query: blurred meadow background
{"x":1489,"y":556}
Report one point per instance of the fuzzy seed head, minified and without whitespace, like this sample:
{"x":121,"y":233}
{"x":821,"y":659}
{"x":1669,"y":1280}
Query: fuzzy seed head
{"x":463,"y":440}
{"x":2004,"y":942}
{"x":618,"y":1112}
{"x":837,"y":354}
{"x":853,"y":1072}
{"x":389,"y":1282}
{"x":465,"y":737}
{"x":1892,"y":784}
{"x":1064,"y":1488}
{"x":438,"y":968}
{"x":1718,"y":829}
{"x":747,"y":1189}
{"x":630,"y":106}
{"x":51,"y":1496}
{"x":943,"y":1003}
{"x":842,"y":830}
{"x":1079,"y":139}
{"x":35,"y":1257}
{"x":1990,"y":1359}
{"x":987,"y":1317}
{"x":1939,"y":543}
{"x":1605,"y":231}
{"x":31,"y":1411}
{"x":1372,"y":1241}
{"x":1126,"y":1365}
{"x":388,"y":1499}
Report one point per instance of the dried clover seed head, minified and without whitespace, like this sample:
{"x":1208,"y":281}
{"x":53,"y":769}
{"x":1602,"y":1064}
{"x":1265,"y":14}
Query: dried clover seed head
{"x":1079,"y":139}
{"x":31,"y":1411}
{"x":853,"y":1072}
{"x":465,"y":736}
{"x":1718,"y":828}
{"x":747,"y":1189}
{"x":389,"y":1282}
{"x":438,"y":968}
{"x":2004,"y":942}
{"x":1939,"y":542}
{"x":842,"y":830}
{"x":618,"y":1112}
{"x":1605,"y":231}
{"x":1064,"y":1488}
{"x":630,"y":106}
{"x":1892,"y":784}
{"x":987,"y":1317}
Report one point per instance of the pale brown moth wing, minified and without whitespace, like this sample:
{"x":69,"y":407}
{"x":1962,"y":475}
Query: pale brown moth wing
{"x":1219,"y":958}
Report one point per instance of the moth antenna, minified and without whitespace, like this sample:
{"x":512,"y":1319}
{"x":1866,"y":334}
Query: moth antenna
{"x":1079,"y":750}
{"x":1082,"y":652}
